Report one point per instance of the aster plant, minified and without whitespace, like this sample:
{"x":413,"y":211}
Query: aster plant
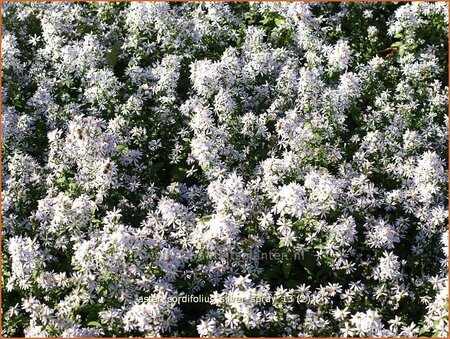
{"x":224,"y":169}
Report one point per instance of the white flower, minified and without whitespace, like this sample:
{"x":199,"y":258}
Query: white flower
{"x":205,"y":328}
{"x":340,"y":314}
{"x":290,"y":199}
{"x":388,"y":268}
{"x":339,"y":56}
{"x":155,"y":151}
{"x":381,"y":235}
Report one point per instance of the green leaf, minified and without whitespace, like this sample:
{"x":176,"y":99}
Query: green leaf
{"x":287,"y":266}
{"x":291,"y":283}
{"x":94,"y":324}
{"x":239,"y":41}
{"x":179,"y":174}
{"x":61,"y":181}
{"x":113,"y":55}
{"x":95,"y":221}
{"x":423,"y":331}
{"x":206,"y":218}
{"x":309,"y":262}
{"x":106,"y":275}
{"x":73,"y":186}
{"x":265,"y":21}
{"x":122,"y":148}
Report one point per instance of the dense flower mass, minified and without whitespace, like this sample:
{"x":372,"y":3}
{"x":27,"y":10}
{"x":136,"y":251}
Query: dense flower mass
{"x":224,"y":169}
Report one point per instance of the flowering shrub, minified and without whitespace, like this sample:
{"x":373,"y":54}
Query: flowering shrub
{"x":224,"y":169}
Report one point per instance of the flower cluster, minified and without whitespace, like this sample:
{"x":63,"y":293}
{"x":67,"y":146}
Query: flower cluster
{"x":282,"y":162}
